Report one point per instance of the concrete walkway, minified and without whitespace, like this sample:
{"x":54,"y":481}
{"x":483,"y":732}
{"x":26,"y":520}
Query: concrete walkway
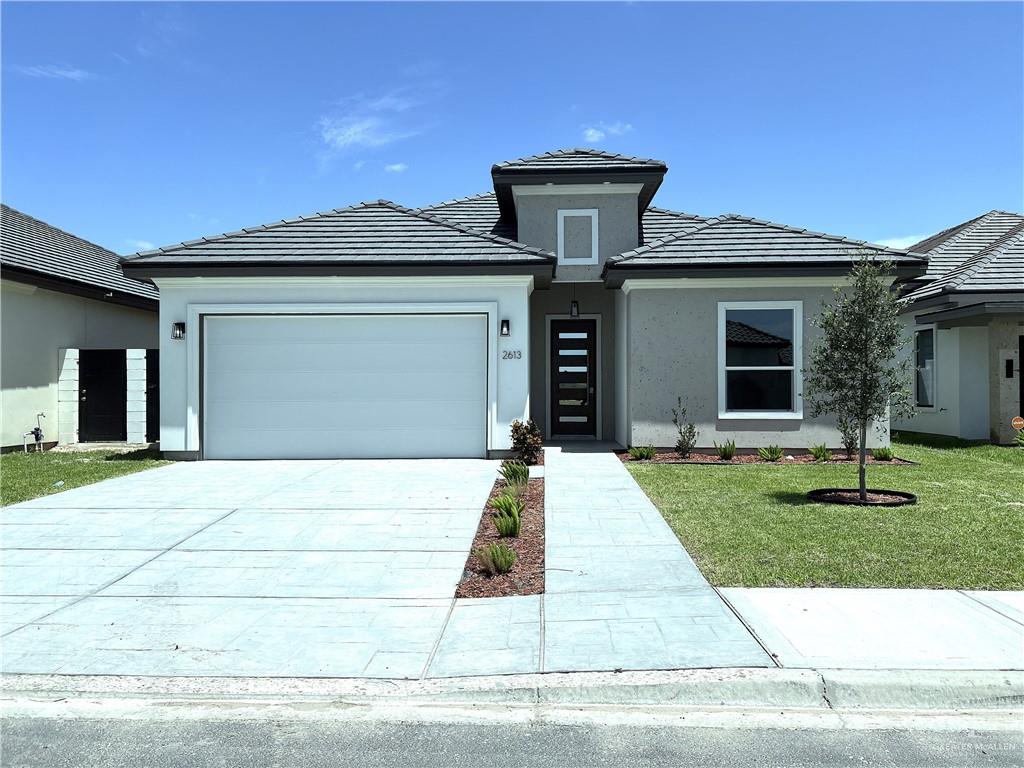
{"x":621,"y":592}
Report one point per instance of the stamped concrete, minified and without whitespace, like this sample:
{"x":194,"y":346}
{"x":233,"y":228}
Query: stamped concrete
{"x":621,"y":592}
{"x":305,"y":568}
{"x":885,"y":628}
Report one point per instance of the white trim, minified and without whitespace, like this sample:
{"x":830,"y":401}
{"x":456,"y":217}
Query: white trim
{"x":599,"y":376}
{"x":427,"y":280}
{"x":593,"y":213}
{"x":734,"y":282}
{"x":934,"y":407}
{"x":798,"y":396}
{"x":196,"y":312}
{"x":606,"y":188}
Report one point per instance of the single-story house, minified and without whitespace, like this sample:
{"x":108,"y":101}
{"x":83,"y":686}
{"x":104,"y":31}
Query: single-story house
{"x":563,"y":295}
{"x":78,"y":339}
{"x":966,"y":319}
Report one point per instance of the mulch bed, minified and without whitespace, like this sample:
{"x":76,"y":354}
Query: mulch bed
{"x":852,"y":496}
{"x":527,"y":575}
{"x":698,"y":457}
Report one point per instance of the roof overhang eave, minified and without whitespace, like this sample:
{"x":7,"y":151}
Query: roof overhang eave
{"x":504,"y":179}
{"x":76,"y":288}
{"x":970,"y":314}
{"x":615,"y":273}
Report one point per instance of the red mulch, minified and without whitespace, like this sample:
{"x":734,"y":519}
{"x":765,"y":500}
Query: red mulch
{"x":527,"y":575}
{"x":840,"y":496}
{"x":698,"y":457}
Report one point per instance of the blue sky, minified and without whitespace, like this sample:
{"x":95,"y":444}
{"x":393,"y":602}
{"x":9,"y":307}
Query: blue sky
{"x":138,"y":124}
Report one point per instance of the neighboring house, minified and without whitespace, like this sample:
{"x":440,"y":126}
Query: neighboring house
{"x":79,"y":339}
{"x":564,"y":295}
{"x":966,"y":317}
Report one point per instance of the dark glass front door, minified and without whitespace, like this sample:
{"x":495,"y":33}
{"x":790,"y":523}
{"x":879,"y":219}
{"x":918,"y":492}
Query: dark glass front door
{"x":102,"y":395}
{"x":574,"y":378}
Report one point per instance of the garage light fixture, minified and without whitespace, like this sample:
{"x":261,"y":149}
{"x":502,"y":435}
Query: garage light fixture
{"x":178,"y":331}
{"x":506,"y":330}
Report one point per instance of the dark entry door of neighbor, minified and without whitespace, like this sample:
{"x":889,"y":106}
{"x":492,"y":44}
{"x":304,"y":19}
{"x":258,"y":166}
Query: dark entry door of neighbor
{"x":152,"y":395}
{"x":574,"y":378}
{"x":102,"y":395}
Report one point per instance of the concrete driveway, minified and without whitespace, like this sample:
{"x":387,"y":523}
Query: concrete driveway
{"x":329,"y":568}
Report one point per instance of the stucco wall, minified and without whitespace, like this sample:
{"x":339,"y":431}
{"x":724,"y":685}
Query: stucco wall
{"x":673,"y":352}
{"x":36,"y":324}
{"x":1004,"y":393}
{"x":617,"y":226}
{"x":179,"y":423}
{"x":594,"y":299}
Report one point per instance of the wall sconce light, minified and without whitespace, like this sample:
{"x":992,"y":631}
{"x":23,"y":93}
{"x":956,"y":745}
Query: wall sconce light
{"x":178,"y":331}
{"x":574,"y":308}
{"x":506,"y":329}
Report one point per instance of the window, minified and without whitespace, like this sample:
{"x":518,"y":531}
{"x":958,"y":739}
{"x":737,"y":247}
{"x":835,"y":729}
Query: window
{"x":924,"y":368}
{"x":577,"y":236}
{"x":759,"y":360}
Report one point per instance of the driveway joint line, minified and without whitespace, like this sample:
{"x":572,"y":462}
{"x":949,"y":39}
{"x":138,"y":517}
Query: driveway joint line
{"x":986,"y":605}
{"x":437,"y":642}
{"x":749,"y":628}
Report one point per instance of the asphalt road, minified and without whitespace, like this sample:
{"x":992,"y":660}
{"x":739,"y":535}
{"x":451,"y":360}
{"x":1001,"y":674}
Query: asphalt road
{"x":102,"y":743}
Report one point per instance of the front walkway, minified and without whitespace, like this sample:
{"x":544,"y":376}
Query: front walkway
{"x":621,"y":592}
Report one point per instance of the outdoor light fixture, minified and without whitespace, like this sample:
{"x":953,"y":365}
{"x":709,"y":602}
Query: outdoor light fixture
{"x":178,"y":331}
{"x":574,"y":308}
{"x":505,"y":328}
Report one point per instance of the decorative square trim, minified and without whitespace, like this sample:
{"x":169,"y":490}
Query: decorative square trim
{"x":594,"y":229}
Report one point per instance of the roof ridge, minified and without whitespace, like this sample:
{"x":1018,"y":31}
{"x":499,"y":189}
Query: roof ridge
{"x":966,"y":227}
{"x":592,"y":151}
{"x":970,"y":268}
{"x":59,"y":229}
{"x":815,"y":233}
{"x":659,"y":209}
{"x":335,"y":211}
{"x":454,"y":200}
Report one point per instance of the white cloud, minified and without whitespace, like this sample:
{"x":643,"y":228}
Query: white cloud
{"x":597,"y":131}
{"x":395,"y":167}
{"x":56,"y":72}
{"x":140,"y":245}
{"x":902,"y":243}
{"x":345,"y":132}
{"x":358,"y":165}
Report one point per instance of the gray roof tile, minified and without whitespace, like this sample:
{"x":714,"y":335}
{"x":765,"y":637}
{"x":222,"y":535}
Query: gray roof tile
{"x":952,"y":247}
{"x":30,"y":244}
{"x":577,"y":159}
{"x":998,"y":267}
{"x":378,"y":232}
{"x":732,"y":239}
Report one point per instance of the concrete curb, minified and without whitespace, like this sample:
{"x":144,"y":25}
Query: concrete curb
{"x":805,"y":689}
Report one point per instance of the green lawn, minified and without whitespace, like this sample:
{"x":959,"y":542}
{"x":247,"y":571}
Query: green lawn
{"x":751,"y":525}
{"x":27,"y":476}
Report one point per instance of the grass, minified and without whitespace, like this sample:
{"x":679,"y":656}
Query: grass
{"x":752,"y":526}
{"x":28,"y":476}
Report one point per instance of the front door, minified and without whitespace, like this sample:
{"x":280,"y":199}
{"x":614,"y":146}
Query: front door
{"x":574,"y":378}
{"x":102,"y":395}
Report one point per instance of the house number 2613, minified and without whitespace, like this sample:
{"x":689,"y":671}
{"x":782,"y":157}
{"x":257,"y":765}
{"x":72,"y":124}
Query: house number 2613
{"x":512,"y":354}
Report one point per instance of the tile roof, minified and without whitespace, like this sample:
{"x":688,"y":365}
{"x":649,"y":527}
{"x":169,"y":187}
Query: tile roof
{"x":369,"y":233}
{"x":578,"y":159}
{"x":481,"y":212}
{"x":998,"y":267}
{"x":733,"y":239}
{"x":33,"y":245}
{"x":952,"y":247}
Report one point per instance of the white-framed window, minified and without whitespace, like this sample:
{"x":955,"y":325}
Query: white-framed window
{"x":759,"y":360}
{"x":924,"y":367}
{"x":577,"y":236}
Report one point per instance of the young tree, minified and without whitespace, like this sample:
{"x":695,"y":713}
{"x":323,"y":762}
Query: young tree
{"x":857,"y":373}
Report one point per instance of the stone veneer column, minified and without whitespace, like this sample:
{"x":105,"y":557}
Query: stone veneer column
{"x":66,"y":425}
{"x":136,"y":362}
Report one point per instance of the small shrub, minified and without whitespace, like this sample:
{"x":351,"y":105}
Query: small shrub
{"x":770,"y":453}
{"x":642,"y":452}
{"x":727,"y":450}
{"x":496,"y":558}
{"x":848,"y":432}
{"x":882,"y":454}
{"x":1019,"y":439}
{"x":508,"y":525}
{"x":527,"y":441}
{"x":687,"y":432}
{"x":507,"y":505}
{"x":514,"y":472}
{"x":821,"y":453}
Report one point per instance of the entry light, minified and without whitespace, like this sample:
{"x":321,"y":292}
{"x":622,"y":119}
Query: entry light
{"x":506,"y":330}
{"x":574,"y":308}
{"x":178,"y":331}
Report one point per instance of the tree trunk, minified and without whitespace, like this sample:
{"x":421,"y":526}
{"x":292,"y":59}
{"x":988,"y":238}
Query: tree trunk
{"x":863,"y":469}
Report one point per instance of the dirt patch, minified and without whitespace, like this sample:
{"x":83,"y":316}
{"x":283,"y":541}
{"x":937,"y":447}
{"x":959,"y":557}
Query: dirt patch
{"x":698,"y":457}
{"x":527,"y":575}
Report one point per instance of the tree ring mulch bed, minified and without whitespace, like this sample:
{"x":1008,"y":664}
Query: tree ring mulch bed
{"x":712,"y":459}
{"x":527,"y":575}
{"x":876,"y":497}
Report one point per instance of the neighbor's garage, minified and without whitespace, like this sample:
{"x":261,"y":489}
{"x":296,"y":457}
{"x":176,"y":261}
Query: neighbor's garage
{"x":344,"y":386}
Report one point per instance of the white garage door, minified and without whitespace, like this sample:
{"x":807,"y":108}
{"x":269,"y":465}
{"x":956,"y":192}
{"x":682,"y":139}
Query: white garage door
{"x":345,"y":386}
